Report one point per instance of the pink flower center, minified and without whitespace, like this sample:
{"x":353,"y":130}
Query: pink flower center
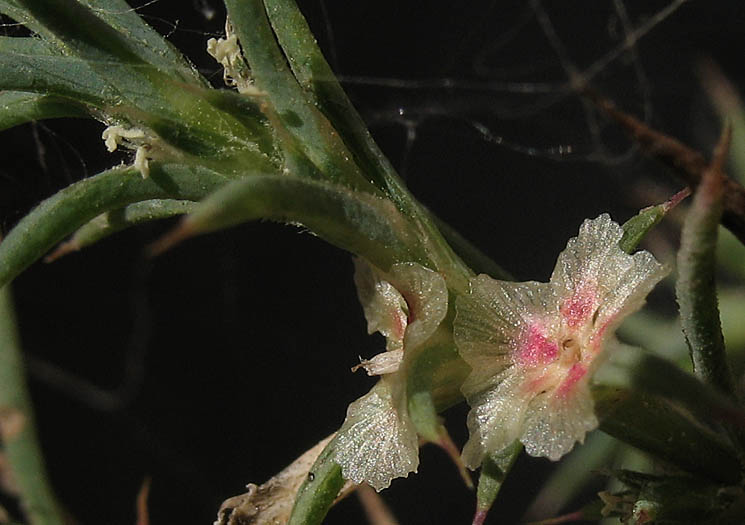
{"x":575,"y":373}
{"x":535,"y":349}
{"x":579,"y":307}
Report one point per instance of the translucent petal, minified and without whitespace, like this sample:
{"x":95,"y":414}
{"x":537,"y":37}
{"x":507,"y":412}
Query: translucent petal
{"x":385,"y":308}
{"x":383,"y":363}
{"x":628,"y":296}
{"x":377,"y":441}
{"x":490,"y":320}
{"x":426,"y":295}
{"x":554,"y":423}
{"x":496,"y":417}
{"x":593,"y":258}
{"x":596,"y":280}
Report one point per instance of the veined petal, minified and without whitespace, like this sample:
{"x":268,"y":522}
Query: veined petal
{"x":496,"y":416}
{"x":377,"y":441}
{"x":495,"y":320}
{"x":588,"y":268}
{"x":406,"y":304}
{"x":599,"y":282}
{"x":556,"y":420}
{"x":630,"y":293}
{"x":426,"y":295}
{"x":385,"y":308}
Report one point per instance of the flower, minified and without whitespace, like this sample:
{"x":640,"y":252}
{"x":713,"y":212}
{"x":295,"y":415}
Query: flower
{"x":378,"y":441}
{"x":533,"y":346}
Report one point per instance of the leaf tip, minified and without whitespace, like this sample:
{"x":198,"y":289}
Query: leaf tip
{"x":61,"y":250}
{"x":446,"y":443}
{"x":179,"y":234}
{"x":480,"y":517}
{"x":676,"y":199}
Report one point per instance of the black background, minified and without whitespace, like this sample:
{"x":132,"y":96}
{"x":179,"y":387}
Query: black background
{"x":217,"y":363}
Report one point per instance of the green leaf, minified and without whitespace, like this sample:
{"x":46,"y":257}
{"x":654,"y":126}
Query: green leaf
{"x":637,"y":227}
{"x":18,"y":108}
{"x":21,"y":450}
{"x":695,"y":288}
{"x":318,"y":80}
{"x":358,"y":222}
{"x":79,"y":31}
{"x":74,"y":206}
{"x":54,"y":75}
{"x":659,"y":428}
{"x":494,"y":471}
{"x":318,"y":492}
{"x":26,"y":46}
{"x":115,"y":221}
{"x":179,"y":118}
{"x":145,"y":41}
{"x":644,"y":372}
{"x":12,"y":9}
{"x":126,"y":88}
{"x":315,"y":135}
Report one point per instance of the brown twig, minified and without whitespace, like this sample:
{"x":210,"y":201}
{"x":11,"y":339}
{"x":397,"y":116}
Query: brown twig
{"x":686,"y":162}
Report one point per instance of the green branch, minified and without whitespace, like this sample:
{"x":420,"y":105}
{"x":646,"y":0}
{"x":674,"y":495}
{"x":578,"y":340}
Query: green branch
{"x":20,"y":444}
{"x":696,"y":289}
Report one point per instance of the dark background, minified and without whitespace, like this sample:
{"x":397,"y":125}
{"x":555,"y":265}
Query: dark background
{"x":219,"y":362}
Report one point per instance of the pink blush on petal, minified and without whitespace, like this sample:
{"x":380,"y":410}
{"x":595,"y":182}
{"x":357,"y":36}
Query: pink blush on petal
{"x":579,"y":307}
{"x":535,"y":349}
{"x":575,"y":373}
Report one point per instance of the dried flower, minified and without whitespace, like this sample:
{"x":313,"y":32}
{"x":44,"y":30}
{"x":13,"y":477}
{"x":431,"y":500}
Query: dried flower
{"x":533,"y":346}
{"x":378,"y":441}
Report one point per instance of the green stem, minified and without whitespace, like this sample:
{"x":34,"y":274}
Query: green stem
{"x":319,"y":490}
{"x":20,"y":444}
{"x":695,"y":288}
{"x":316,"y":136}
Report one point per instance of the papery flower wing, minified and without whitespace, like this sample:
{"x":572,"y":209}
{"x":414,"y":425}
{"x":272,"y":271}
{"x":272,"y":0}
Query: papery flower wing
{"x":597,"y":281}
{"x":630,"y":293}
{"x":589,"y":267}
{"x":383,"y":363}
{"x":556,"y":420}
{"x":494,"y":322}
{"x":385,"y":308}
{"x":377,"y":441}
{"x":496,"y":416}
{"x":426,"y":295}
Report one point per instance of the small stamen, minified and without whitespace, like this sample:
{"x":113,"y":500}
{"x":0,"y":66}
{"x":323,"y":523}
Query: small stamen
{"x":571,"y":349}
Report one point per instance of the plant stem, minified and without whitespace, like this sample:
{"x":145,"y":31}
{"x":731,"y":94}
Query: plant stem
{"x":20,"y":444}
{"x":695,"y":289}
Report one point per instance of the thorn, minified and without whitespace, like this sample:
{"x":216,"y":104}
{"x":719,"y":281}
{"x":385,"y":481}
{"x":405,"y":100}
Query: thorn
{"x":677,"y":198}
{"x":171,"y":239}
{"x":446,"y":443}
{"x":61,"y":250}
{"x":480,"y":516}
{"x":376,"y":510}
